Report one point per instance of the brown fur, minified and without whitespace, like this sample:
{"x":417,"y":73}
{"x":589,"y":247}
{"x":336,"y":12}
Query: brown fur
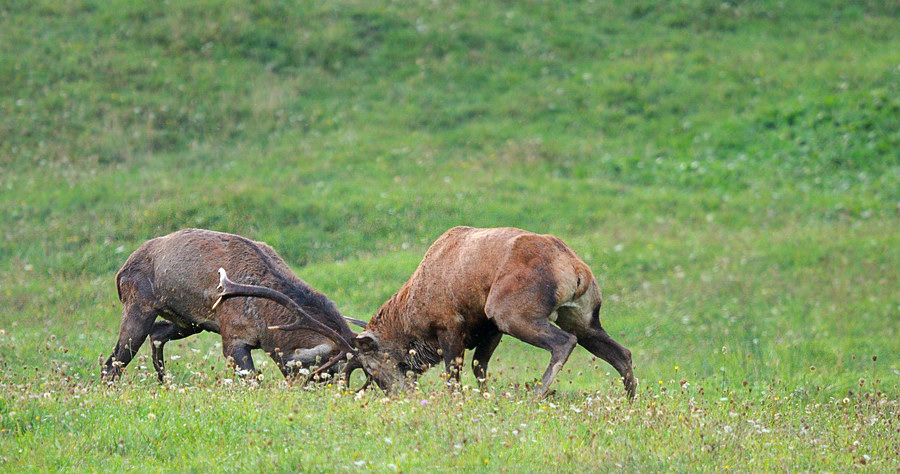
{"x":473,"y":286}
{"x":175,"y":277}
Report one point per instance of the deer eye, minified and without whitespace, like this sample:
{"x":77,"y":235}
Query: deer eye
{"x":366,"y":344}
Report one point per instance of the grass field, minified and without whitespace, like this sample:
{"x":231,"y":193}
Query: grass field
{"x":729,"y":170}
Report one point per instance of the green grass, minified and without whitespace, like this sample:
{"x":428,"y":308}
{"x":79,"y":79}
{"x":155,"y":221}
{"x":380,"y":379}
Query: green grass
{"x":728,"y":169}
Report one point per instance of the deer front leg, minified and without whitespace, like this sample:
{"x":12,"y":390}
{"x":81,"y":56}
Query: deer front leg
{"x":238,"y":355}
{"x":452,"y":351}
{"x":482,"y":357}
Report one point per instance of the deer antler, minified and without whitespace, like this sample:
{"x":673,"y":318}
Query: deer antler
{"x":304,"y":320}
{"x":351,"y":366}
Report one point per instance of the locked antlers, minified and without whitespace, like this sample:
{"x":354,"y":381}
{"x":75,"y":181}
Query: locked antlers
{"x":230,"y":289}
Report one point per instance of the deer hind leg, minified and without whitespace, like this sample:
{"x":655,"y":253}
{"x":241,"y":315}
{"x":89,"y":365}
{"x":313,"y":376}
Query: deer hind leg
{"x":542,"y":334}
{"x":161,"y":333}
{"x":523,"y":313}
{"x":136,"y":324}
{"x":482,"y":357}
{"x":595,"y":339}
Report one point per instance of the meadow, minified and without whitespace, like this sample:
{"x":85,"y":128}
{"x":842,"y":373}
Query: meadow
{"x":729,"y":170}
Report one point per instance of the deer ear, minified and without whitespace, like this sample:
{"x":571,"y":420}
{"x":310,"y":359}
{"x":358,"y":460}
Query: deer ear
{"x":366,"y":342}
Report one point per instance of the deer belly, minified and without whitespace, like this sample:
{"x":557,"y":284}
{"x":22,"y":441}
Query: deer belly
{"x":307,"y":357}
{"x":571,"y":313}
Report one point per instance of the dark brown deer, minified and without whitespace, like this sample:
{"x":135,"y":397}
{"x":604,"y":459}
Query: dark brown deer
{"x":473,"y":286}
{"x":175,"y":277}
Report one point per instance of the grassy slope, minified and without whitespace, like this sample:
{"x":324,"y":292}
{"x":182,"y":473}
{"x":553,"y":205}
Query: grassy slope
{"x":729,"y":171}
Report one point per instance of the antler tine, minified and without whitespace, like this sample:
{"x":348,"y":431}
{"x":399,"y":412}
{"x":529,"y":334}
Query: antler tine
{"x":348,"y":370}
{"x":334,"y":360}
{"x":223,"y":279}
{"x":304,"y":320}
{"x":358,"y":322}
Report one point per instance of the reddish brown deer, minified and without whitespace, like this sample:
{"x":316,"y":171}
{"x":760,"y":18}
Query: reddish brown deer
{"x":174,"y":277}
{"x":473,"y":286}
